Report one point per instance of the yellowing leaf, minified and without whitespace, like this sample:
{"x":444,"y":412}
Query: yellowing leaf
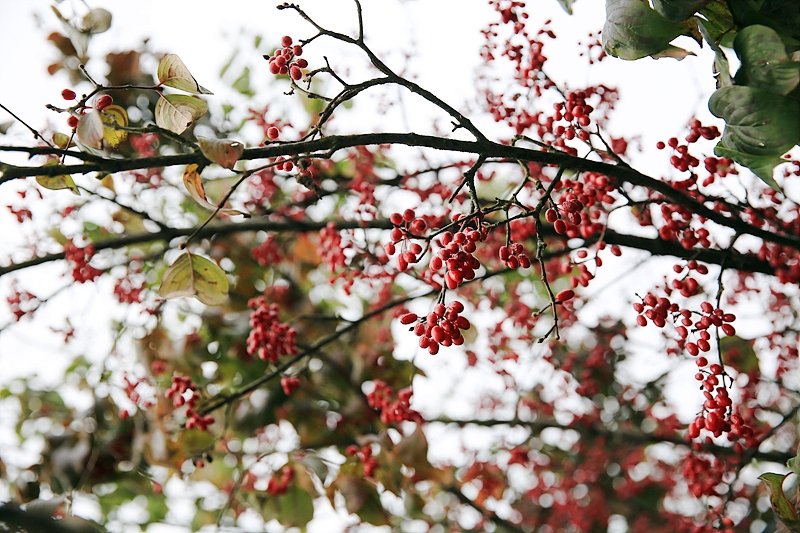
{"x":192,"y":275}
{"x":56,"y":183}
{"x":61,"y":140}
{"x":90,"y":130}
{"x":173,"y":73}
{"x":176,"y":112}
{"x":783,"y":509}
{"x":223,"y":152}
{"x":114,"y":115}
{"x":194,"y":185}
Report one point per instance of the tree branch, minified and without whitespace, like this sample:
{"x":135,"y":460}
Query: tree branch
{"x":485,"y":148}
{"x":628,"y":436}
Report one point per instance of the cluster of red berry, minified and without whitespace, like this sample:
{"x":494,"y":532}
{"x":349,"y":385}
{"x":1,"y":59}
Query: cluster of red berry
{"x":456,"y":256}
{"x":270,"y":338}
{"x":364,"y":454}
{"x":268,"y":252}
{"x":393,"y":409}
{"x":289,"y":384}
{"x":101,"y":103}
{"x":279,"y":482}
{"x":442,"y":327}
{"x":704,"y":474}
{"x":287,"y":60}
{"x":22,"y":303}
{"x":177,"y":392}
{"x":128,"y":292}
{"x":687,"y":286}
{"x":82,"y":271}
{"x":407,"y":226}
{"x":513,"y":256}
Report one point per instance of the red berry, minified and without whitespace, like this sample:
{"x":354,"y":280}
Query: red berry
{"x":560,"y":227}
{"x":408,"y":318}
{"x":286,"y":41}
{"x":273,"y":133}
{"x":72,"y":122}
{"x":297,"y":50}
{"x":68,"y":94}
{"x":296,"y":73}
{"x":565,"y":295}
{"x":103,"y":102}
{"x":302,"y":63}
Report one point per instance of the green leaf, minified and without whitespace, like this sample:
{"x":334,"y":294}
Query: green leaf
{"x":718,"y":21}
{"x":90,"y":130}
{"x":765,"y":63}
{"x":783,"y":509}
{"x":738,"y":353}
{"x":56,"y":183}
{"x":786,"y":12}
{"x":745,"y":14}
{"x":567,"y":5}
{"x":114,"y":115}
{"x":223,"y":152}
{"x":720,"y":59}
{"x":173,"y":73}
{"x":362,"y":499}
{"x":242,"y":83}
{"x":192,"y":275}
{"x":758,"y":122}
{"x":762,"y":166}
{"x":176,"y":112}
{"x":678,"y":10}
{"x":295,"y":507}
{"x":316,"y":465}
{"x":633,"y":30}
{"x":794,"y":464}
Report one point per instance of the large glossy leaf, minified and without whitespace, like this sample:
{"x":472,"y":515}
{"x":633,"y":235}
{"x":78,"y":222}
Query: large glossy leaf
{"x":223,"y":152}
{"x":762,"y":166}
{"x":678,"y":10}
{"x":785,"y":12}
{"x":173,"y":73}
{"x":758,"y":121}
{"x":57,"y":183}
{"x":194,"y":185}
{"x":114,"y":115}
{"x":765,"y":63}
{"x":176,"y":112}
{"x":633,"y":30}
{"x":192,"y":275}
{"x":90,"y":130}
